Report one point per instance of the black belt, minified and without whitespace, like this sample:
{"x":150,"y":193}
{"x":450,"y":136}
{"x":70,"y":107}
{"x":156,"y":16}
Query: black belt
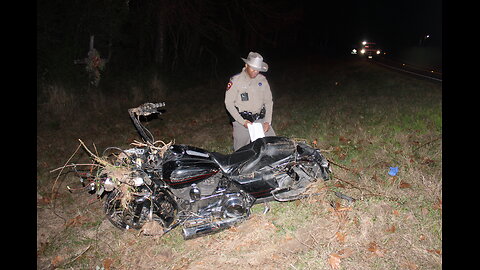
{"x":252,"y":117}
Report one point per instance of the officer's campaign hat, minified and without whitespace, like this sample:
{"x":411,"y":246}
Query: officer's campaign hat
{"x":255,"y":61}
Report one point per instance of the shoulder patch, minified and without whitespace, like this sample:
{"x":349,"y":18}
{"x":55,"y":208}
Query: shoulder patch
{"x":229,"y":85}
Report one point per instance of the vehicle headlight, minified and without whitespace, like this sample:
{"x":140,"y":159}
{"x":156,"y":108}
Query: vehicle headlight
{"x":138,"y":181}
{"x":108,"y":184}
{"x":362,"y":51}
{"x":378,"y":52}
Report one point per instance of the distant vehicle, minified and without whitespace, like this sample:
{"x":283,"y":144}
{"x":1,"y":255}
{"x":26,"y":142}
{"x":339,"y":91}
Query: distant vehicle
{"x":369,"y":49}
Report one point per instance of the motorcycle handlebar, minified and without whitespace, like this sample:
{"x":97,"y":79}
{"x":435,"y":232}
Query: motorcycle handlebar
{"x":147,"y":108}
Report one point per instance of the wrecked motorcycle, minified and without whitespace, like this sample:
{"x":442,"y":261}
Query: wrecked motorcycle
{"x":202,"y":191}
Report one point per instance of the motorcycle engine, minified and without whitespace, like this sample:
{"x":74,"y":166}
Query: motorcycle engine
{"x":234,"y":205}
{"x":211,"y":205}
{"x":215,"y":196}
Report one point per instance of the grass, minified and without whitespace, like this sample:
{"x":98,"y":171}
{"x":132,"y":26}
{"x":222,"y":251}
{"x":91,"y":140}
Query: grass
{"x":365,"y":119}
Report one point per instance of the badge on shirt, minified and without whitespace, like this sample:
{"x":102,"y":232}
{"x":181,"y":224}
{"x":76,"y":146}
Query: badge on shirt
{"x":259,"y":84}
{"x":244,"y":96}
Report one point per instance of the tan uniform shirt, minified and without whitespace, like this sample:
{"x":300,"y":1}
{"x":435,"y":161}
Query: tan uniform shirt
{"x":249,"y":95}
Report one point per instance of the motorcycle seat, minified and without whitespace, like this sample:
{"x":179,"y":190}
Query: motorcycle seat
{"x":228,"y":163}
{"x":255,"y":155}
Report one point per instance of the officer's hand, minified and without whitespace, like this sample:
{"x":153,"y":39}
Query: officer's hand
{"x":266,"y":126}
{"x":245,"y":124}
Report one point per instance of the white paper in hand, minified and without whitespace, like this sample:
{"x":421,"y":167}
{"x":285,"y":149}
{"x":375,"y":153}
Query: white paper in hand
{"x":256,"y":131}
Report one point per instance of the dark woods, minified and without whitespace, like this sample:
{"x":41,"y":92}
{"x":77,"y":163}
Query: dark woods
{"x":172,"y":36}
{"x":206,"y":38}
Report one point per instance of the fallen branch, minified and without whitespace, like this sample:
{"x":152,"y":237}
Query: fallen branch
{"x":76,"y":257}
{"x":345,"y":168}
{"x":95,"y":157}
{"x":58,"y":176}
{"x":73,"y":165}
{"x":371,"y":193}
{"x":427,"y":143}
{"x":161,"y":149}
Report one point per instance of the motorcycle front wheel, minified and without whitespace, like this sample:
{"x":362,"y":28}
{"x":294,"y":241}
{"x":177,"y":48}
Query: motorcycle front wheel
{"x":135,"y":214}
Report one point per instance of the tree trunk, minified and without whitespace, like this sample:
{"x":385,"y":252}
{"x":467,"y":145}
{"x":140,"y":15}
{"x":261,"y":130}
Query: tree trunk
{"x":160,"y":36}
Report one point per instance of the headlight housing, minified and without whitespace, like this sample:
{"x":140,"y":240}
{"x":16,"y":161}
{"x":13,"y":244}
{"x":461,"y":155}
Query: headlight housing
{"x":362,"y":51}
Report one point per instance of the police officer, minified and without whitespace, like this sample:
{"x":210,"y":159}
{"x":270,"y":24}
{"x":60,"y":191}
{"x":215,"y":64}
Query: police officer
{"x":248,"y":99}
